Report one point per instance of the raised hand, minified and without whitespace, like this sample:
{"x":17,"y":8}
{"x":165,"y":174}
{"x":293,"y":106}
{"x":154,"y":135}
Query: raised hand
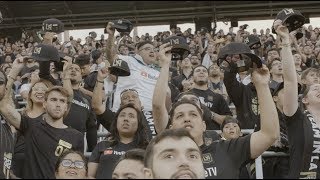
{"x":66,"y":74}
{"x":281,"y":30}
{"x":164,"y":54}
{"x":260,"y":76}
{"x":102,"y":74}
{"x":110,"y":29}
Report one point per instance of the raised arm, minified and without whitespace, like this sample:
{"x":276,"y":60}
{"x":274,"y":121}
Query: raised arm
{"x":97,"y":104}
{"x":159,"y":111}
{"x":110,"y":49}
{"x":66,"y":74}
{"x":290,"y":105}
{"x":7,"y":107}
{"x":270,"y":129}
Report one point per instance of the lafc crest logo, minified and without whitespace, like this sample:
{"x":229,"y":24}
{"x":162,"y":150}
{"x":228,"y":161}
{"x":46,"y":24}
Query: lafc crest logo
{"x":174,"y":41}
{"x":288,"y":11}
{"x":246,"y":40}
{"x":207,"y":141}
{"x":117,"y":62}
{"x":207,"y":158}
{"x":37,"y":50}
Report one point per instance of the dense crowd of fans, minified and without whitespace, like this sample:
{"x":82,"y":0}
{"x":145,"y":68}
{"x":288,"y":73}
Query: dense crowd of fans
{"x":195,"y":93}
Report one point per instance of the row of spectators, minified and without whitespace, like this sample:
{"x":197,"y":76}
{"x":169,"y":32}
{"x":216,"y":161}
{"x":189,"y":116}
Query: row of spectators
{"x":135,"y":108}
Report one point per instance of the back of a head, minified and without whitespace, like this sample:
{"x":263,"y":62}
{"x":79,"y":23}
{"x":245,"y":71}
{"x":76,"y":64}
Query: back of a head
{"x":82,"y":59}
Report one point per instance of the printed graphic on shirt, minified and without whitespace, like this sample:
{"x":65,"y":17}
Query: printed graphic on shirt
{"x":255,"y":106}
{"x":62,"y":146}
{"x":110,"y":151}
{"x":150,"y":123}
{"x":7,"y":159}
{"x":316,"y":149}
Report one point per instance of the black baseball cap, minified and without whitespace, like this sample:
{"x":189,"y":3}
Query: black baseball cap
{"x":52,"y":25}
{"x":44,"y":52}
{"x":227,"y":120}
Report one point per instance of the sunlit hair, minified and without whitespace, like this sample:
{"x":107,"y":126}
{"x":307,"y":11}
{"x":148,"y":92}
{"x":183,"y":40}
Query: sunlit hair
{"x":29,"y":105}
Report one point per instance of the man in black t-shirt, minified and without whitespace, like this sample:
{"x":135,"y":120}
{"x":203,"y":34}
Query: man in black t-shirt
{"x":45,"y":140}
{"x":223,"y":158}
{"x":6,"y":137}
{"x":214,"y":101}
{"x":81,"y":116}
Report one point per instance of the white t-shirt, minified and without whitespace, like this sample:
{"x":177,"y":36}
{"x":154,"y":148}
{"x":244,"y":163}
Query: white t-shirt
{"x":143,"y":78}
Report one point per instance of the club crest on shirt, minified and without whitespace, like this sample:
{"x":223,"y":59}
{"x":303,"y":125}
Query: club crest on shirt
{"x":207,"y":141}
{"x":210,"y":98}
{"x":207,"y":158}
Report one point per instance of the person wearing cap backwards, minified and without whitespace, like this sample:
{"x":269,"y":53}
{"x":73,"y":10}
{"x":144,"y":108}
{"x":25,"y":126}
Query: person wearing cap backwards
{"x":6,"y":135}
{"x":45,"y":140}
{"x":303,"y":125}
{"x":223,"y":158}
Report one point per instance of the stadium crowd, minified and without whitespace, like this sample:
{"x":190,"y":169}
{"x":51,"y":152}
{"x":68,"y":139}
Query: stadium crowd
{"x":160,"y":113}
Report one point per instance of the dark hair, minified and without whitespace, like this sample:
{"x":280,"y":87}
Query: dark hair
{"x":183,"y":94}
{"x":133,"y":154}
{"x":82,"y":59}
{"x":183,"y":101}
{"x":198,"y":67}
{"x":5,"y":76}
{"x":229,"y":119}
{"x":96,"y":54}
{"x":140,"y":137}
{"x":307,"y":71}
{"x":65,"y":153}
{"x":140,"y":44}
{"x":273,"y":49}
{"x":168,"y":133}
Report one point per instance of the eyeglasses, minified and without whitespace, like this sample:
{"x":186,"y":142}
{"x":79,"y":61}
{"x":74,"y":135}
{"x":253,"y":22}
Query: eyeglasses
{"x":68,"y":163}
{"x":128,"y":90}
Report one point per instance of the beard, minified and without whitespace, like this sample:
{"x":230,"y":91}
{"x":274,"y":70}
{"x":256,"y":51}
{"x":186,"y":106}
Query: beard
{"x":55,"y":116}
{"x":201,"y":82}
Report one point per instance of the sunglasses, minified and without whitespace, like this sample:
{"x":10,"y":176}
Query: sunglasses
{"x":68,"y":163}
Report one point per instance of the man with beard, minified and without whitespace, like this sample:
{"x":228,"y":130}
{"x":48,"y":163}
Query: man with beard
{"x":216,"y":81}
{"x":195,"y":61}
{"x":276,"y":73}
{"x":45,"y":140}
{"x":185,"y":74}
{"x":214,"y":101}
{"x":182,"y":161}
{"x":81,"y":116}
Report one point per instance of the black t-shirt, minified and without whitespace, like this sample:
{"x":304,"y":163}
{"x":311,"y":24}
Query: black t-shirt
{"x":222,"y":159}
{"x":107,"y":156}
{"x":107,"y":117}
{"x":215,"y":102}
{"x":177,"y":81}
{"x":6,"y":149}
{"x":304,"y":143}
{"x":44,"y":144}
{"x":19,"y":149}
{"x":82,"y":118}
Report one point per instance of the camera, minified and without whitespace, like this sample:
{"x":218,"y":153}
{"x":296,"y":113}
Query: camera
{"x":243,"y":27}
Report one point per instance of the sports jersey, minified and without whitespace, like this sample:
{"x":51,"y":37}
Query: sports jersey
{"x":143,"y":78}
{"x":44,"y":144}
{"x":222,"y":159}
